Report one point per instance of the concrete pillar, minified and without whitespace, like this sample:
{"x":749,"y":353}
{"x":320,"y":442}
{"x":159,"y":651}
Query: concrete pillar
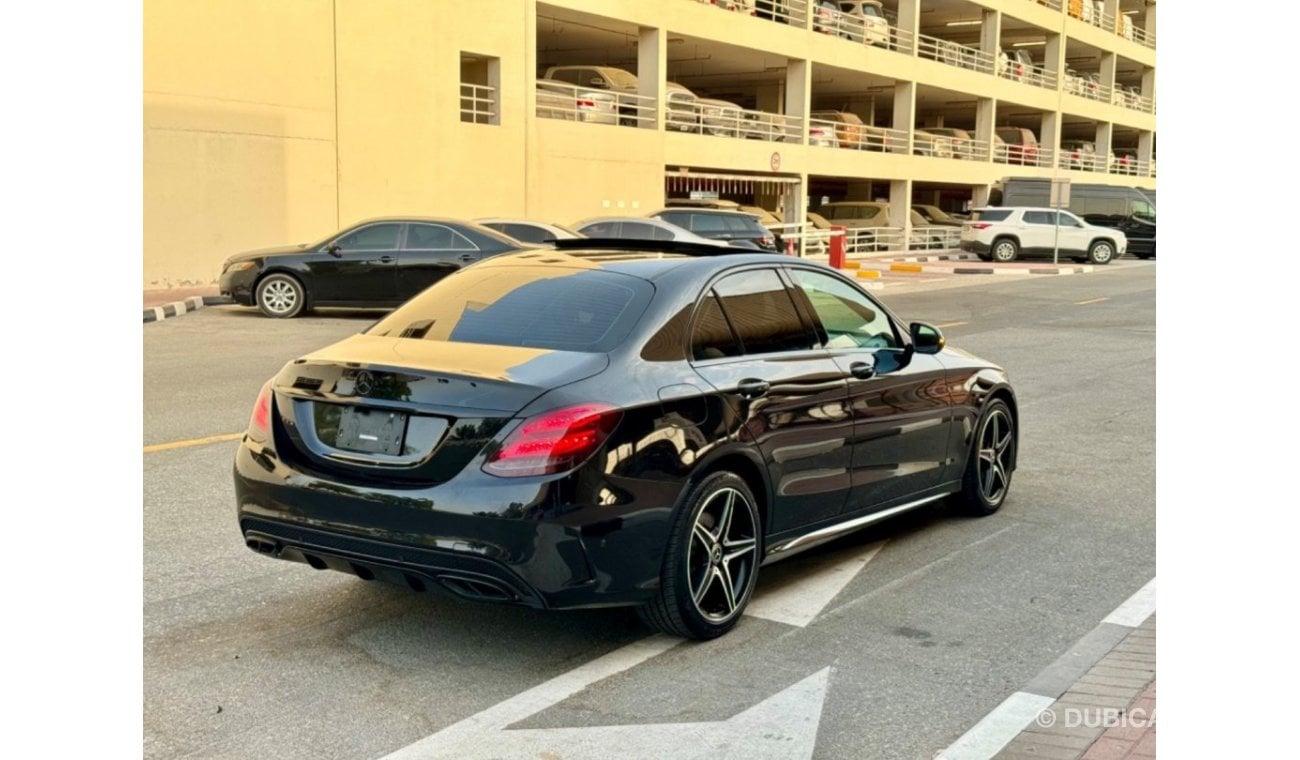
{"x":798,"y":94}
{"x":1146,"y":147}
{"x":1150,"y":26}
{"x":1104,"y":129}
{"x":1112,"y":14}
{"x":986,"y":111}
{"x":652,"y":71}
{"x":795,"y":207}
{"x":1149,"y":84}
{"x":1109,"y":62}
{"x":905,"y":109}
{"x":1054,"y":56}
{"x":1049,"y":133}
{"x":900,"y":208}
{"x":991,"y":37}
{"x":980,"y":195}
{"x":909,"y":22}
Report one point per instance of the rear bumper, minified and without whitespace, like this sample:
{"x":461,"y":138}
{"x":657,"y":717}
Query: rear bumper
{"x":975,"y":246}
{"x":479,"y":542}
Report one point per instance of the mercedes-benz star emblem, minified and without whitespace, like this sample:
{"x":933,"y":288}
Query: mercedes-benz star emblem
{"x":365,"y":383}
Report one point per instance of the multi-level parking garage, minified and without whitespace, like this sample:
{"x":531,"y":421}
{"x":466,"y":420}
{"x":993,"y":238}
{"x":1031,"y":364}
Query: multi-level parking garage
{"x":568,"y":109}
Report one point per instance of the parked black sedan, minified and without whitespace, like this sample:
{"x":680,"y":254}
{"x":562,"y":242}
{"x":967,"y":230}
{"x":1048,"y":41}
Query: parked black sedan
{"x":378,"y":262}
{"x":643,"y":425}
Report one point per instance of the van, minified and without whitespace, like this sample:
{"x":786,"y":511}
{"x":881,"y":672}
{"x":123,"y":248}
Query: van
{"x":1129,"y":209}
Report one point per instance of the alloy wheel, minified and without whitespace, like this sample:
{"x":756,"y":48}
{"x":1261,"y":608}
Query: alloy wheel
{"x":722,"y":554}
{"x":995,"y":456}
{"x":279,"y":296}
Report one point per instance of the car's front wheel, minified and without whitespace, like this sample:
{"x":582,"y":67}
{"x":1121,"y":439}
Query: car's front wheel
{"x":992,"y":458}
{"x":281,"y":296}
{"x":1101,"y":252}
{"x":711,"y":561}
{"x":1005,"y":249}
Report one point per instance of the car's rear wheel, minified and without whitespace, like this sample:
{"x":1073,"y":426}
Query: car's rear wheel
{"x":281,"y":296}
{"x":987,"y":478}
{"x":711,"y":561}
{"x":1101,"y":252}
{"x":1005,"y":249}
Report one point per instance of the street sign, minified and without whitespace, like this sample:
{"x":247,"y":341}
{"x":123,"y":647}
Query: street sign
{"x":1060,"y":195}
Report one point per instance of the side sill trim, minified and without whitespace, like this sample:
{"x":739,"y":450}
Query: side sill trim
{"x":808,"y":540}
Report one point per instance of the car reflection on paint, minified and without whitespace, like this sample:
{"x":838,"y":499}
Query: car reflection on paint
{"x":617,"y":423}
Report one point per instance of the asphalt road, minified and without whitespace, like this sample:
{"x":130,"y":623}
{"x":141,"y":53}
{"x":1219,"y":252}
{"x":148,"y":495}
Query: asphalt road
{"x":246,"y":656}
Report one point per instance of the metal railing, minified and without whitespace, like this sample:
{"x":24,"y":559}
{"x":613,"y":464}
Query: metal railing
{"x":836,"y":134}
{"x":953,"y":54}
{"x":1038,"y":76}
{"x":1142,"y":37}
{"x":1023,"y":155}
{"x":792,"y":12}
{"x":560,"y":100}
{"x":1085,"y":87}
{"x":1122,"y":96}
{"x":871,"y":31}
{"x":808,"y":240}
{"x":900,"y":40}
{"x":934,"y":237}
{"x":725,"y":120}
{"x":935,"y":146}
{"x":1080,"y":161}
{"x":1132,"y":167}
{"x":477,"y":103}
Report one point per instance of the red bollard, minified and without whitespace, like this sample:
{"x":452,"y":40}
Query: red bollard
{"x":837,"y":247}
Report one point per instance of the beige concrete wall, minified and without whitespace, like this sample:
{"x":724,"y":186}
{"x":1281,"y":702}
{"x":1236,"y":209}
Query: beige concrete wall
{"x":238,"y":131}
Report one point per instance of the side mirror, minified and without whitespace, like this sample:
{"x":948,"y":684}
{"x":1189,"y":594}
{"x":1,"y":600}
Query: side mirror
{"x":334,"y":249}
{"x":926,"y":339}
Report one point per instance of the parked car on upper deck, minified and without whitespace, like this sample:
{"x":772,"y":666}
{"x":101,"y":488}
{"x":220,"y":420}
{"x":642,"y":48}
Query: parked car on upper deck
{"x":963,"y":142}
{"x":1020,"y":145}
{"x":850,"y":132}
{"x":609,"y":78}
{"x":375,"y":263}
{"x":854,"y":19}
{"x":1078,"y":154}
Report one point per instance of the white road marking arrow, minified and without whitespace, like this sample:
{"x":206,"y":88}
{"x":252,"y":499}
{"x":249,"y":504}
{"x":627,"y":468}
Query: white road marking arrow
{"x":781,"y":727}
{"x":799,"y":598}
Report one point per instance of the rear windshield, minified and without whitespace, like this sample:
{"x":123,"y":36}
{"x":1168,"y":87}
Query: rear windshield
{"x":990,"y":215}
{"x":524,"y":306}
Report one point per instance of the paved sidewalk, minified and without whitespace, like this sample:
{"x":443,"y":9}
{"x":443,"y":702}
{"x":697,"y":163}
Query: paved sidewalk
{"x":1108,"y":714}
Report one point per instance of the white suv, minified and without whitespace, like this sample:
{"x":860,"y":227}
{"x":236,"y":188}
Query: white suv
{"x":1006,"y":233}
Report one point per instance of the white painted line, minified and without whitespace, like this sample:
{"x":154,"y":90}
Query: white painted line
{"x":1136,"y":608}
{"x":802,"y":598}
{"x":159,"y":314}
{"x":998,"y":728}
{"x":549,"y":693}
{"x":782,"y":726}
{"x":180,"y":307}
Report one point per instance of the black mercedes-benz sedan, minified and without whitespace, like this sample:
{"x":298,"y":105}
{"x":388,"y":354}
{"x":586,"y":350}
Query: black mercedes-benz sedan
{"x":599,"y":425}
{"x":375,"y":263}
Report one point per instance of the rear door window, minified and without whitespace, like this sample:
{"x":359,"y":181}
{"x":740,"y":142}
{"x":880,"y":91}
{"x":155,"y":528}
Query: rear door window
{"x":712,"y":336}
{"x":990,"y":215}
{"x":760,"y":309}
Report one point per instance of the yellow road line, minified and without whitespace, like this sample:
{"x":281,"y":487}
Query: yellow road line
{"x":1095,"y":300}
{"x":192,"y":442}
{"x":951,"y":324}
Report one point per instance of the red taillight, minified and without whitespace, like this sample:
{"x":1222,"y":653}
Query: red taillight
{"x":981,"y":225}
{"x":553,"y":442}
{"x":586,"y":104}
{"x":259,"y":424}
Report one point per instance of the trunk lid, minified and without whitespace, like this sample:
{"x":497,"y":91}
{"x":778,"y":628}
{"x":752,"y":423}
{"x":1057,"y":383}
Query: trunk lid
{"x":410,"y":410}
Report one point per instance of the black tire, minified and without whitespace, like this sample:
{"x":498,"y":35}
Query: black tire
{"x":720,"y":571}
{"x":984,"y":257}
{"x":1145,"y":256}
{"x":987,"y":478}
{"x":281,"y":296}
{"x":1005,"y":250}
{"x":1101,"y":252}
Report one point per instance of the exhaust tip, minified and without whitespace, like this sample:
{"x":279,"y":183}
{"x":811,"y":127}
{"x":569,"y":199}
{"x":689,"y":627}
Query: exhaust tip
{"x":261,"y":546}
